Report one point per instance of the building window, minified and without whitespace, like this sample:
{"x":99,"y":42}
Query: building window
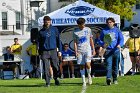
{"x":4,"y":21}
{"x":138,"y":5}
{"x":17,"y":20}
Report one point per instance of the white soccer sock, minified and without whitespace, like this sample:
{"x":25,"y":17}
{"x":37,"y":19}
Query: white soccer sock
{"x":89,"y":72}
{"x":82,"y":72}
{"x":83,"y":75}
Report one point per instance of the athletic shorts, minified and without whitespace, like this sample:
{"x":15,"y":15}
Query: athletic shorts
{"x":84,"y":57}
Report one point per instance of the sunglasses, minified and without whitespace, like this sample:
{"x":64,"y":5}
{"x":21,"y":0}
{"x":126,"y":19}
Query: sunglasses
{"x":65,"y":46}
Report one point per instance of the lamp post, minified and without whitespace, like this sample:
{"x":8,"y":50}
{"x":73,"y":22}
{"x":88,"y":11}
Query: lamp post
{"x":48,"y":4}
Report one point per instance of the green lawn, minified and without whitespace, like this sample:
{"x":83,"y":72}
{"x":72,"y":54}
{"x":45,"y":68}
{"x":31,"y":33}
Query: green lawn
{"x":127,"y":84}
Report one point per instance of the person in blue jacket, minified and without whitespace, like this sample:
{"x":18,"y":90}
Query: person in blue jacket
{"x":49,"y":47}
{"x":111,"y":40}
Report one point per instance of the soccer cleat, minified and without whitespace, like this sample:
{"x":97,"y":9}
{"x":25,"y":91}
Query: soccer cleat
{"x":108,"y":81}
{"x":89,"y":80}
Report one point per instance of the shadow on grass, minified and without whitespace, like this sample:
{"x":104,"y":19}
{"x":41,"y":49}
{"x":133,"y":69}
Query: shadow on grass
{"x":71,"y":84}
{"x":100,"y":84}
{"x":80,"y":84}
{"x":20,"y":85}
{"x":52,"y":84}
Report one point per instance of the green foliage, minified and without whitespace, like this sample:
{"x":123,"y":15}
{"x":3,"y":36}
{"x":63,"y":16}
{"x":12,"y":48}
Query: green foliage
{"x":120,"y":7}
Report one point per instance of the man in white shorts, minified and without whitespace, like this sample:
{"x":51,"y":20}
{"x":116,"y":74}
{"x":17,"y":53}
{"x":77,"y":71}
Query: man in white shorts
{"x":84,"y":49}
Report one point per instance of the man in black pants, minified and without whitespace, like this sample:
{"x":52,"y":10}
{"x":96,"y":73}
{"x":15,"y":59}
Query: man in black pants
{"x":32,"y":51}
{"x":49,"y":42}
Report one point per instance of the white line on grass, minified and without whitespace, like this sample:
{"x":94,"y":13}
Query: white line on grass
{"x":84,"y":89}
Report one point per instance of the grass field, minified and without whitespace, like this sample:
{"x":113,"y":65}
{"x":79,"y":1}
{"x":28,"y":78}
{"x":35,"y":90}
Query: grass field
{"x":127,"y":84}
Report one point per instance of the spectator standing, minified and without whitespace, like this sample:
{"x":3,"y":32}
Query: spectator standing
{"x":32,"y":51}
{"x":49,"y":42}
{"x":111,"y":41}
{"x":16,"y":49}
{"x":134,"y":51}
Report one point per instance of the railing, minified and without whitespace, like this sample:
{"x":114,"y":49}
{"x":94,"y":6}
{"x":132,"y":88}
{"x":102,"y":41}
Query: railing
{"x":12,"y":30}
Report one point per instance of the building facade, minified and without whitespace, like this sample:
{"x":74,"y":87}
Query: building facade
{"x":19,"y":16}
{"x":136,"y":17}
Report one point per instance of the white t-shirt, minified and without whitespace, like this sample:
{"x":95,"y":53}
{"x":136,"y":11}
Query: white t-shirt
{"x":82,"y":38}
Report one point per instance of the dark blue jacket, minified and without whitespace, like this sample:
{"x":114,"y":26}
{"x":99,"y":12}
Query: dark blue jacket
{"x":49,"y":39}
{"x":117,"y":37}
{"x":7,"y":57}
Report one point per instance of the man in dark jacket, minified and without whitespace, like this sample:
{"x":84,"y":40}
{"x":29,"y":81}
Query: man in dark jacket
{"x":49,"y":45}
{"x":8,"y":56}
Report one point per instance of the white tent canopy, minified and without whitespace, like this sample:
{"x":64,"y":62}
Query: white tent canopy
{"x":70,"y":13}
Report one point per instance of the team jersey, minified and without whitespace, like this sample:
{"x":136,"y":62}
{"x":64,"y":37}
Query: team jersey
{"x":82,"y":38}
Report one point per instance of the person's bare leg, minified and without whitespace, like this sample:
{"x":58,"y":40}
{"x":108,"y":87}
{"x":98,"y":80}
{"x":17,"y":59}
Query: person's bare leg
{"x":72,"y":68}
{"x":61,"y":68}
{"x":51,"y":72}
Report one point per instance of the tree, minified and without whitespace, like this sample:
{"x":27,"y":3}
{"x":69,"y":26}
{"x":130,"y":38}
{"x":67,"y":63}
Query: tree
{"x":120,"y":7}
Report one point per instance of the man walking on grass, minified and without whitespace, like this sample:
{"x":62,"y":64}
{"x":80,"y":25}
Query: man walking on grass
{"x":49,"y":41}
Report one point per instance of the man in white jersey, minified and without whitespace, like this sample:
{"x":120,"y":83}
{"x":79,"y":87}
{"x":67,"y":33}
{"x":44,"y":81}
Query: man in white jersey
{"x":84,"y":49}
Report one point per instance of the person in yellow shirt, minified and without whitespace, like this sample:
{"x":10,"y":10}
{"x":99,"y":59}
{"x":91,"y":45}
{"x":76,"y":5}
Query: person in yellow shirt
{"x":32,"y":51}
{"x":134,"y":51}
{"x":16,"y":47}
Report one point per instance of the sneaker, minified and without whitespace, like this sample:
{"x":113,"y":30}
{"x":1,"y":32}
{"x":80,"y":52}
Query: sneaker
{"x":133,"y":73}
{"x":93,"y":76}
{"x":117,"y":75}
{"x":108,"y":81}
{"x":57,"y":82}
{"x":73,"y":76}
{"x":84,"y":84}
{"x":47,"y":85}
{"x":62,"y":76}
{"x":89,"y":80}
{"x":115,"y":82}
{"x":122,"y":75}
